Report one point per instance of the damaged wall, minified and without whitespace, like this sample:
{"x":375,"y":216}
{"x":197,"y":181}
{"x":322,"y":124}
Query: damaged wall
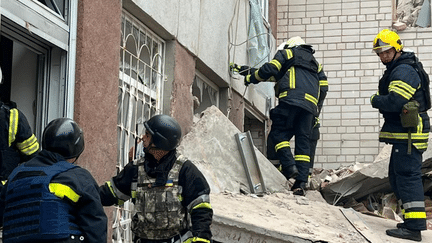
{"x":408,"y":13}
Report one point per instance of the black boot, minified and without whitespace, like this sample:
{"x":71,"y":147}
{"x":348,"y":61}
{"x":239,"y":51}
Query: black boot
{"x":299,"y":188}
{"x":290,"y":172}
{"x":404,"y":233}
{"x":400,"y":225}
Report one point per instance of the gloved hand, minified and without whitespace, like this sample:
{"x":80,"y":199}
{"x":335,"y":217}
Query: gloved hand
{"x":248,"y":80}
{"x":372,"y":98}
{"x":242,"y":70}
{"x":234,"y":67}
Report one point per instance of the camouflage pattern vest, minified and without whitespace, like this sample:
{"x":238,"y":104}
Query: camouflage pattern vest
{"x":159,"y":212}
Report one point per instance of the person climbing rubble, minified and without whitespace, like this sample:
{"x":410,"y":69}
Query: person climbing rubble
{"x":301,"y":85}
{"x":403,"y":99}
{"x":170,"y":194}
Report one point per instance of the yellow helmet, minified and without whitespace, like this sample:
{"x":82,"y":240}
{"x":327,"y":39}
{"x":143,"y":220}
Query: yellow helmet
{"x":385,"y":40}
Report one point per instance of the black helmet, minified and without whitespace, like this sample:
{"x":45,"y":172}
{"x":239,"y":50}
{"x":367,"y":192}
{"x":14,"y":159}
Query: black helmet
{"x":165,"y":131}
{"x":63,"y":136}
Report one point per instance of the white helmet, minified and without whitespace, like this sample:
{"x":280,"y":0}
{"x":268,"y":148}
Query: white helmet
{"x":295,"y":41}
{"x":1,"y":76}
{"x":281,"y":46}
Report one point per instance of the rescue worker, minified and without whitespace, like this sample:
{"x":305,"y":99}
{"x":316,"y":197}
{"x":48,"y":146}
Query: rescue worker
{"x":300,"y":80}
{"x":17,"y":141}
{"x":49,"y":199}
{"x":171,"y":197}
{"x":403,"y":82}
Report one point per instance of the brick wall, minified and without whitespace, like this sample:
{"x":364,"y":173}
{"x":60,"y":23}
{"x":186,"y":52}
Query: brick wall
{"x":342,"y":31}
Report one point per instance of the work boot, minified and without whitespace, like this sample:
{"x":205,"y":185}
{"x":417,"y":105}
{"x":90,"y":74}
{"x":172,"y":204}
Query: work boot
{"x":404,"y":233}
{"x":299,"y":188}
{"x":290,"y":172}
{"x":400,"y":225}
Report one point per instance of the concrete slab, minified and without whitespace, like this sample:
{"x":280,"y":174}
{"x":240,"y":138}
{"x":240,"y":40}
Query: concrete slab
{"x":212,"y":147}
{"x":278,"y":216}
{"x":284,"y":217}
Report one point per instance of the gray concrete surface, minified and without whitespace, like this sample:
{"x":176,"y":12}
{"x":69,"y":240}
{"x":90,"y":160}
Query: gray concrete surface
{"x":211,"y":145}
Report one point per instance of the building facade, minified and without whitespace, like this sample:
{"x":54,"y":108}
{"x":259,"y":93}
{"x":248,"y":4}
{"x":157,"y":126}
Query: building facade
{"x":112,"y":64}
{"x":342,"y":32}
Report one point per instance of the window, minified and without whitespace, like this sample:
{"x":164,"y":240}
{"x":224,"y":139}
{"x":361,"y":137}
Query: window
{"x":205,"y":93}
{"x":140,"y":81}
{"x":141,"y":72}
{"x":264,"y":9}
{"x":258,"y":41}
{"x":38,"y":55}
{"x":58,"y":6}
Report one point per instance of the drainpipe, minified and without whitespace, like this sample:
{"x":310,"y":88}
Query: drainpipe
{"x":70,"y":100}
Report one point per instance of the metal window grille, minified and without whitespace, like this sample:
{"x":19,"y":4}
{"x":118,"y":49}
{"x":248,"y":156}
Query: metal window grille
{"x":141,"y":72}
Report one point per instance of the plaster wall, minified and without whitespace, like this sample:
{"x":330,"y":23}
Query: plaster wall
{"x":213,"y":32}
{"x":96,"y":88}
{"x":342,"y":32}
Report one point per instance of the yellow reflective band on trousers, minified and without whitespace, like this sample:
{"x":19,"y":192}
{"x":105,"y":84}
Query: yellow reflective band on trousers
{"x":415,"y":215}
{"x":284,"y":144}
{"x":403,"y":89}
{"x":29,"y":146}
{"x":311,"y":99}
{"x":302,"y":158}
{"x":203,"y":205}
{"x":13,"y":125}
{"x":62,"y":191}
{"x":196,"y":239}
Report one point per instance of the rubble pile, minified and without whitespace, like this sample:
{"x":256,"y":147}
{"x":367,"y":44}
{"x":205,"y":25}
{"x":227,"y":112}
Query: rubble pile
{"x":355,"y":187}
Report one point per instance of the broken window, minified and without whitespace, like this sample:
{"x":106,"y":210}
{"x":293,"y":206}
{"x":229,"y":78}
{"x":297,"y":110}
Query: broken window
{"x":58,"y":6}
{"x":258,"y":44}
{"x":141,"y":72}
{"x":264,"y":9}
{"x":140,"y":81}
{"x":205,"y":93}
{"x":413,"y":13}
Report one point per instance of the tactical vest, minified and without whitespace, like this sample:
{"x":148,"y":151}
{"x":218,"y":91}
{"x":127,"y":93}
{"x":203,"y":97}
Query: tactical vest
{"x":32,"y":211}
{"x":159,"y":212}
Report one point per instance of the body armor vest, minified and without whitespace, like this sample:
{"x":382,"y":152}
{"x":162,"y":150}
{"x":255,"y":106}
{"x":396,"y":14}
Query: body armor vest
{"x":159,"y":212}
{"x":32,"y":211}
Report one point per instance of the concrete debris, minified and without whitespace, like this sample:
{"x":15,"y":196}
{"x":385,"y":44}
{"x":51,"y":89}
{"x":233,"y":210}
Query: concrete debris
{"x":357,"y":181}
{"x":408,"y":11}
{"x":278,"y":215}
{"x":211,"y":145}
